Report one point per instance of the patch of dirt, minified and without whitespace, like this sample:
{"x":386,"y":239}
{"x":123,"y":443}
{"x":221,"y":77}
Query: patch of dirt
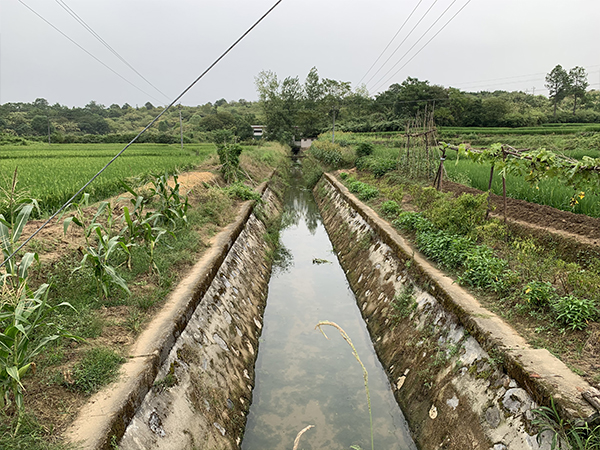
{"x":51,"y":242}
{"x":580,"y":227}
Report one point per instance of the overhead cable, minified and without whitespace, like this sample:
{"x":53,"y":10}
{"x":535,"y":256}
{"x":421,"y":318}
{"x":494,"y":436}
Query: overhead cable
{"x":418,"y":40}
{"x":427,"y":43}
{"x":403,"y":41}
{"x":68,"y":202}
{"x":89,"y":53}
{"x":390,"y":43}
{"x":82,"y":22}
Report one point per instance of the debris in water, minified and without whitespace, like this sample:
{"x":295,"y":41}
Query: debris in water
{"x":320,"y":261}
{"x":433,"y":412}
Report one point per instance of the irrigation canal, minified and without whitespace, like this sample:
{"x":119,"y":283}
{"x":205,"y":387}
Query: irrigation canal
{"x":302,"y":378}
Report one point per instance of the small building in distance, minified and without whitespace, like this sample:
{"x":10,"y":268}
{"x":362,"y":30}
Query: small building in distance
{"x":258,"y":131}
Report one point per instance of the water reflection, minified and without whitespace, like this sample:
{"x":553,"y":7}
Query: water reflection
{"x":302,"y":378}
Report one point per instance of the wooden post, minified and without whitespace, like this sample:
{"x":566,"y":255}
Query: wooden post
{"x":438,"y":178}
{"x":504,"y":186}
{"x":489,"y":201}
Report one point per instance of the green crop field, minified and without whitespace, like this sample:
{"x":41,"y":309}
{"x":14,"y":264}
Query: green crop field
{"x":52,"y":174}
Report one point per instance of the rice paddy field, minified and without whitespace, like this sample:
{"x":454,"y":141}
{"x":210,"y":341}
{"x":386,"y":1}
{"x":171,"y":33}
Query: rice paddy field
{"x":53,"y":173}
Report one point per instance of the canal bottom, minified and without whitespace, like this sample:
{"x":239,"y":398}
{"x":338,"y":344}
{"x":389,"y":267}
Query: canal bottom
{"x":302,"y":378}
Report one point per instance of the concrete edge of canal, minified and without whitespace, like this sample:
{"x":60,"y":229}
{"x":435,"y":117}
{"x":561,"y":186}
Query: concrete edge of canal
{"x":462,"y":376}
{"x":197,"y":355}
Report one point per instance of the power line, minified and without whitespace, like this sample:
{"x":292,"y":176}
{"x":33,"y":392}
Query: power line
{"x":390,"y":43}
{"x":418,"y":40}
{"x":403,"y":41}
{"x":82,"y":22}
{"x":105,"y":65}
{"x":432,"y":38}
{"x":185,"y":91}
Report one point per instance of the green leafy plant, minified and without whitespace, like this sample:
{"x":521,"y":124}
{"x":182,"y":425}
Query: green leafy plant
{"x":390,"y":208}
{"x":364,"y":191}
{"x":18,"y":208}
{"x":23,"y":318}
{"x":172,"y":206}
{"x":241,"y":191}
{"x":565,"y":433}
{"x":539,"y":294}
{"x":327,"y":152}
{"x":404,"y":302}
{"x":100,"y":247}
{"x":575,"y":312}
{"x":364,"y":149}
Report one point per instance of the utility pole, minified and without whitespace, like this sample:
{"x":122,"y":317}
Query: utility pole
{"x":48,"y":130}
{"x":180,"y":127}
{"x":333,"y":126}
{"x":533,"y":91}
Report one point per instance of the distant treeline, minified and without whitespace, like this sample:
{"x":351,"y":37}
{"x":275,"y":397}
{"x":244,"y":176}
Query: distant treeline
{"x":291,"y":109}
{"x":98,"y":123}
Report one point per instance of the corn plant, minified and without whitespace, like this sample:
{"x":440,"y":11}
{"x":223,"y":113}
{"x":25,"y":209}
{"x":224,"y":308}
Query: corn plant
{"x":171,"y":205}
{"x":100,"y":247}
{"x":18,"y":208}
{"x":23,"y":315}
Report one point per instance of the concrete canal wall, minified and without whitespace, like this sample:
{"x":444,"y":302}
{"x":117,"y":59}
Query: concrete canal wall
{"x":188,"y":381}
{"x":463,"y":377}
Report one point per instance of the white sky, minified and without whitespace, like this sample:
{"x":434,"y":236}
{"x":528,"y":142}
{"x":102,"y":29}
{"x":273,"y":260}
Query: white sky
{"x":491,"y":44}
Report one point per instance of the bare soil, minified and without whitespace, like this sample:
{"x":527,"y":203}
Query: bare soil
{"x":580,"y":227}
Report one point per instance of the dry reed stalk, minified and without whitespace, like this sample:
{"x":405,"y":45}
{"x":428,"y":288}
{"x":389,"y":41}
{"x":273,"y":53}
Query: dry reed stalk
{"x":299,"y":435}
{"x":365,"y":373}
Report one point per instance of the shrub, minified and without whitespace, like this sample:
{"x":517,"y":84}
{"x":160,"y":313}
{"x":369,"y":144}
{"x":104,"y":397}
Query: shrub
{"x":327,"y":152}
{"x":539,"y":294}
{"x":363,"y":190}
{"x":460,"y":215}
{"x":364,"y":149}
{"x":378,"y":166}
{"x":575,"y":312}
{"x":390,"y":208}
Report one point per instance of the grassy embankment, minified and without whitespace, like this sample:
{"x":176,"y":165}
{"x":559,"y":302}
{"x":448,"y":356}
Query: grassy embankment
{"x":69,"y":370}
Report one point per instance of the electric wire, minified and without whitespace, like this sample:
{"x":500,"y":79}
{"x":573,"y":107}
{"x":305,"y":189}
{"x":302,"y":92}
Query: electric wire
{"x":391,"y":40}
{"x":403,"y":41}
{"x":185,"y":91}
{"x":86,"y":51}
{"x":417,"y":41}
{"x":427,"y":43}
{"x":83,"y":23}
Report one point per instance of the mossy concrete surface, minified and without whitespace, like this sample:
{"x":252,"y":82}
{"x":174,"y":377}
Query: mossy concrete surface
{"x":463,"y":377}
{"x":188,"y":380}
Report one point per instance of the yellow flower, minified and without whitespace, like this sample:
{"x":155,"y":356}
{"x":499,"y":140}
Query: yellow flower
{"x":581,"y":195}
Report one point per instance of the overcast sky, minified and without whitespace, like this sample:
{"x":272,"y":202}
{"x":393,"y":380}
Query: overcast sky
{"x":489,"y":45}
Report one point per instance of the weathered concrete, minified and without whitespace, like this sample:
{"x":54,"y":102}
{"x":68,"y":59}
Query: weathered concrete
{"x":189,"y":375}
{"x":463,"y":377}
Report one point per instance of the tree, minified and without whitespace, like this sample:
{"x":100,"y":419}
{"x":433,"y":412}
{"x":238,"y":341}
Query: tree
{"x":578,"y":84}
{"x":558,"y":85}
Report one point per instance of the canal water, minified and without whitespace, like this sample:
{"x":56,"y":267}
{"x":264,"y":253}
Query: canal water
{"x":302,"y":378}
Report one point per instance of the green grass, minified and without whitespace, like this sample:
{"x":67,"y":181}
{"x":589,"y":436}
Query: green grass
{"x":550,"y":192}
{"x":53,"y":173}
{"x":99,"y":367}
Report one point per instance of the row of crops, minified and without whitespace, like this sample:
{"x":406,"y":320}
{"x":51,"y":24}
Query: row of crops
{"x":52,"y":174}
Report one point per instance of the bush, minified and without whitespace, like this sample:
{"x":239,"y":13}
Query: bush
{"x":378,"y":166}
{"x":327,"y":153}
{"x":539,"y":294}
{"x":364,"y":149}
{"x":460,"y":215}
{"x":362,"y":190}
{"x":575,"y":312}
{"x":390,"y":208}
